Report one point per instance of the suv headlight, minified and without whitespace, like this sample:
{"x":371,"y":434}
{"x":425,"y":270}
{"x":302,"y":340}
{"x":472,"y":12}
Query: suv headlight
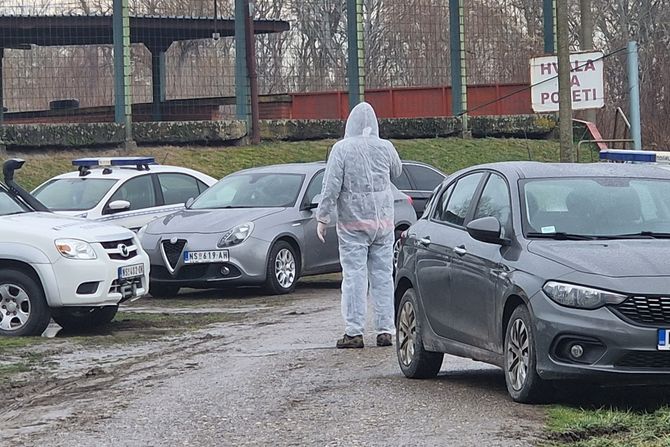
{"x":581,"y":297}
{"x":75,"y":249}
{"x":236,"y":235}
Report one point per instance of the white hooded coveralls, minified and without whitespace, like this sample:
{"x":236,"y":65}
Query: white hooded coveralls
{"x":357,"y":184}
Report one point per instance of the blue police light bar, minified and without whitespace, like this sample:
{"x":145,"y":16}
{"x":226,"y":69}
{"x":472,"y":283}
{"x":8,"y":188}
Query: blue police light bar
{"x":628,"y":156}
{"x":113,"y":161}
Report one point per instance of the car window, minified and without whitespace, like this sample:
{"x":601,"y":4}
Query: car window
{"x":598,"y":206}
{"x":139,"y":191}
{"x":9,"y":205}
{"x":178,"y":188}
{"x":314,"y":188}
{"x":402,"y":182}
{"x":73,"y":194}
{"x":425,"y":179}
{"x":441,"y":205}
{"x":459,"y":203}
{"x":252,"y":190}
{"x":201,"y":186}
{"x":495,"y":201}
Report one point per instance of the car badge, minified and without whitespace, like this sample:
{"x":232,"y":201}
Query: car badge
{"x":173,"y":240}
{"x":123,"y":249}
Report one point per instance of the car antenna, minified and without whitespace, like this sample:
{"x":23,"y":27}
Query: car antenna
{"x":165,"y":158}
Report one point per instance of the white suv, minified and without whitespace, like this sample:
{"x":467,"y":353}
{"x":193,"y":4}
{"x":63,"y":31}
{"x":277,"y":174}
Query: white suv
{"x":72,"y":269}
{"x":128,"y":191}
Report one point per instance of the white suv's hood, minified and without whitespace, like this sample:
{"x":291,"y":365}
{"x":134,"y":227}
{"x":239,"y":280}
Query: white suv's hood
{"x":59,"y":226}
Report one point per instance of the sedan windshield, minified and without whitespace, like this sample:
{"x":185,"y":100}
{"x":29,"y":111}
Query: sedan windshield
{"x":10,"y":206}
{"x":600,"y":207}
{"x":73,"y":194}
{"x":252,"y":190}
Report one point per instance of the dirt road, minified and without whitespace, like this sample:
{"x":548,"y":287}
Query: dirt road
{"x":270,"y":377}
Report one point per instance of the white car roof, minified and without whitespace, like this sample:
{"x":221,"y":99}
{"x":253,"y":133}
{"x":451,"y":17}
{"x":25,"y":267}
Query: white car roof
{"x":127,"y":172}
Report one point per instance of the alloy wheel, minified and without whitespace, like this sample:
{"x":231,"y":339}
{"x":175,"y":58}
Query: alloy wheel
{"x":518,"y":355}
{"x":396,"y":253}
{"x":285,"y":268}
{"x":406,"y":333}
{"x":14,"y":307}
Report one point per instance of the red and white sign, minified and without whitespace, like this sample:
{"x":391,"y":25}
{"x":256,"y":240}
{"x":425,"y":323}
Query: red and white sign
{"x":586,"y":81}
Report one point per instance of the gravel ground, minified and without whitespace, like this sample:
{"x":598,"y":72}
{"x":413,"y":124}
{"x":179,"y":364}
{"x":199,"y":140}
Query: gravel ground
{"x":274,"y":378}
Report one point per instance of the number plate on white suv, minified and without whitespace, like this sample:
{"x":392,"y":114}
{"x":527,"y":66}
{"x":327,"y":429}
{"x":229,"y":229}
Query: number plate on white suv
{"x":131,"y":271}
{"x":207,"y":256}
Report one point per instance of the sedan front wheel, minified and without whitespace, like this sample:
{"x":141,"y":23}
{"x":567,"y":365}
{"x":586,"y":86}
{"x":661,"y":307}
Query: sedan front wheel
{"x":282,"y":269}
{"x":520,"y":362}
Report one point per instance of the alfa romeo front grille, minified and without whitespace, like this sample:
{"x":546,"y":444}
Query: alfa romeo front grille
{"x":647,"y":310}
{"x":120,"y":250}
{"x":173,"y":251}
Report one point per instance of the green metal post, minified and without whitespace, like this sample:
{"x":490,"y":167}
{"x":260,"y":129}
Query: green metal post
{"x":549,"y":8}
{"x":122,"y":67}
{"x":241,"y":72}
{"x":2,"y":97}
{"x":356,"y":52}
{"x":459,"y":90}
{"x":157,"y":82}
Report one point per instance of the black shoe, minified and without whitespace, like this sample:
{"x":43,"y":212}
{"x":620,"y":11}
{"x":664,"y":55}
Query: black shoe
{"x":384,"y":340}
{"x":350,"y":342}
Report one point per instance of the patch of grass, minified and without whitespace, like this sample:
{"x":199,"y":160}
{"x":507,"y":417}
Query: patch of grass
{"x":13,"y":343}
{"x":575,"y":427}
{"x":448,"y":154}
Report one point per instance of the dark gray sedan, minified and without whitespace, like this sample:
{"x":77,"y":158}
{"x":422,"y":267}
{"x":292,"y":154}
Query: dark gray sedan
{"x":253,"y":227}
{"x":549,"y":271}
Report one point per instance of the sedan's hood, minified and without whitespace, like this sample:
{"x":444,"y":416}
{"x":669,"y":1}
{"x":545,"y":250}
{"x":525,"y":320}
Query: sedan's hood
{"x":208,"y":221}
{"x":616,"y":258}
{"x":63,"y":227}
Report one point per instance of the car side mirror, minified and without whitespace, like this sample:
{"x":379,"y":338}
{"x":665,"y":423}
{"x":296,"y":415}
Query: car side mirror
{"x":315,"y":202}
{"x":486,"y":229}
{"x":119,"y":205}
{"x":189,"y":202}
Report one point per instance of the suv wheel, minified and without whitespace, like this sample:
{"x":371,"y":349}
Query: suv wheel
{"x":520,"y":360}
{"x":415,"y":362}
{"x":23,"y":307}
{"x":82,"y":318}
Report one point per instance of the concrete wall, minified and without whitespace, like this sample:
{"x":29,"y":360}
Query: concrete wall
{"x":35,"y":136}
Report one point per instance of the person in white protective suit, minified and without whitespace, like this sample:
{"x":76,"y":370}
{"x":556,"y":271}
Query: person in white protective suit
{"x":357,"y":185}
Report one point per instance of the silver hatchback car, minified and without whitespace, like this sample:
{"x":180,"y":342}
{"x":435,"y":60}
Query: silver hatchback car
{"x":254,"y":227}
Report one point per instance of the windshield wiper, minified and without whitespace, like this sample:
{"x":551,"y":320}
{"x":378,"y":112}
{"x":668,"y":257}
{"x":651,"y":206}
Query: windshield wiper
{"x":642,"y":234}
{"x":561,"y":236}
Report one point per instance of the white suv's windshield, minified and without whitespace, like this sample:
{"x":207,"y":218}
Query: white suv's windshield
{"x":259,"y":190}
{"x":10,"y":206}
{"x":596,"y":207}
{"x":73,"y":194}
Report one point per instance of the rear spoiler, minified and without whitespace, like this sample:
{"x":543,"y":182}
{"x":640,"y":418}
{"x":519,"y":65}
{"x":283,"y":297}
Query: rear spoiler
{"x":8,"y":169}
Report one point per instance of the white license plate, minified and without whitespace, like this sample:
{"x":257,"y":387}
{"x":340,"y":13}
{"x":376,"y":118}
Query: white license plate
{"x":206,"y":256}
{"x":663,"y":340}
{"x":131,"y":271}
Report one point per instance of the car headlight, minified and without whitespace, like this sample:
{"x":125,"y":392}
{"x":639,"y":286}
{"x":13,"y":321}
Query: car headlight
{"x":581,"y":297}
{"x":236,"y":235}
{"x":75,"y":249}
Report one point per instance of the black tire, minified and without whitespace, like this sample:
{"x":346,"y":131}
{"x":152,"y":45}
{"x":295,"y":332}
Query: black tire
{"x":278,"y":254}
{"x":24,"y":294}
{"x":84,"y":318}
{"x":415,"y":362}
{"x":531,"y":389}
{"x":163,"y":290}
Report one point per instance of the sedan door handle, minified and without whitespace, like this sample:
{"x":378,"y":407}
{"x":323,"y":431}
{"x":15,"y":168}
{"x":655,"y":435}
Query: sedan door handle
{"x":460,"y":250}
{"x":425,"y":241}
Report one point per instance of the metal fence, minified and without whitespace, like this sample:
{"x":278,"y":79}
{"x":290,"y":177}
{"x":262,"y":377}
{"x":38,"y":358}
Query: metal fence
{"x":58,"y":63}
